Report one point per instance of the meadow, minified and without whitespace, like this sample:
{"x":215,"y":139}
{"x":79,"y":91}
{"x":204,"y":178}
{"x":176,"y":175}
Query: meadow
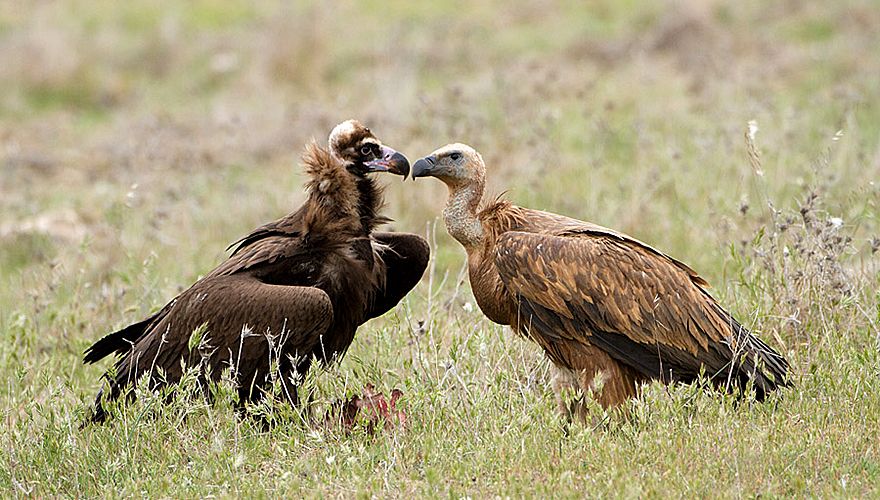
{"x":139,"y":139}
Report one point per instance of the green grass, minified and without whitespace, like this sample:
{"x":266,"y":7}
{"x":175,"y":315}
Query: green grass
{"x":138,"y":140}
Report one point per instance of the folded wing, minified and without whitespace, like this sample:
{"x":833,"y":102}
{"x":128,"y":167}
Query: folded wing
{"x":641,"y":307}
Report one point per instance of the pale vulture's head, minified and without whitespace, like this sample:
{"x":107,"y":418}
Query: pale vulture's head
{"x":454,"y":164}
{"x":362,"y":152}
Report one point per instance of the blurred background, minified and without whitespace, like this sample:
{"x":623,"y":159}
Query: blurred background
{"x":137,"y":139}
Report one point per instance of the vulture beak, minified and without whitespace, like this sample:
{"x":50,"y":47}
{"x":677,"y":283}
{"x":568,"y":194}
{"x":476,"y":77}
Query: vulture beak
{"x":391,"y":161}
{"x":422,"y":167}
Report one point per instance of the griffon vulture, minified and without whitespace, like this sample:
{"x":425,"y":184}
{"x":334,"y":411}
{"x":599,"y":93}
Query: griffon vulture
{"x":293,"y":290}
{"x":597,"y":301}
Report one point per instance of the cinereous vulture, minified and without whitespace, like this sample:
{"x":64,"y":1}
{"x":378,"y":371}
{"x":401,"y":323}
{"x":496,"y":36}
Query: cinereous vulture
{"x":596,"y":300}
{"x":292,"y":291}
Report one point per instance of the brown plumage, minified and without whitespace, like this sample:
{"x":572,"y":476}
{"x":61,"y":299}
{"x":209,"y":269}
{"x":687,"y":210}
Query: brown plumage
{"x":596,"y":300}
{"x":293,"y":290}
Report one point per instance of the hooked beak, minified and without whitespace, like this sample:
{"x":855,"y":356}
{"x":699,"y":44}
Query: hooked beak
{"x":423,"y":166}
{"x":391,"y":161}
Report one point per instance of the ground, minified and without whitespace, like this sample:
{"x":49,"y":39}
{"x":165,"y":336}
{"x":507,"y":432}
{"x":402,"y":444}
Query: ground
{"x":140,"y":138}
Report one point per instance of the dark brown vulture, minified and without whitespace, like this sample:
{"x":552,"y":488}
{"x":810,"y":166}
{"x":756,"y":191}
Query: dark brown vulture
{"x":292,"y":291}
{"x":596,"y":300}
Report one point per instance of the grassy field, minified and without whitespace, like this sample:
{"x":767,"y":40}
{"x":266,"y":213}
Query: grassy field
{"x":138,"y":139}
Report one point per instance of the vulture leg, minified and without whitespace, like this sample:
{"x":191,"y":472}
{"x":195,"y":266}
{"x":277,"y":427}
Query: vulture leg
{"x":405,"y":261}
{"x":292,"y":373}
{"x":591,"y":371}
{"x":250,"y":327}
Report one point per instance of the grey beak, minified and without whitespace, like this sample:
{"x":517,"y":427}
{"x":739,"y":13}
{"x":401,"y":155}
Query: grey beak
{"x":423,"y":166}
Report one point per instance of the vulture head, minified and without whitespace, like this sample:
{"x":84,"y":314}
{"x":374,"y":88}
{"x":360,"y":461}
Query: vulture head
{"x":454,"y":164}
{"x":361,"y":152}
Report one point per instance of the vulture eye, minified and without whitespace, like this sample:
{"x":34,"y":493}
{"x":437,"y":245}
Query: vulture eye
{"x":455,"y":156}
{"x":366,"y":149}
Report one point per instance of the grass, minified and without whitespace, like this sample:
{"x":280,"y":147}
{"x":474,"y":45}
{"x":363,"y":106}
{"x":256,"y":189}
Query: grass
{"x":139,"y":139}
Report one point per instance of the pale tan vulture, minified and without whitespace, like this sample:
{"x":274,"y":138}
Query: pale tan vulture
{"x":596,"y":300}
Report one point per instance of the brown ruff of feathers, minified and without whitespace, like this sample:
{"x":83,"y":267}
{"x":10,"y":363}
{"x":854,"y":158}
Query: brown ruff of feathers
{"x":331,"y":188}
{"x":353,"y":204}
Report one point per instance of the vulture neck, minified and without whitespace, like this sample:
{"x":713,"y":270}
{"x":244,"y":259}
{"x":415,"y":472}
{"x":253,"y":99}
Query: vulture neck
{"x":369,"y":203}
{"x":460,"y":214}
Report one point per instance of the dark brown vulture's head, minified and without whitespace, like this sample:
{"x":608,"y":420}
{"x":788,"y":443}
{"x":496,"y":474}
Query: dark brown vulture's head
{"x":454,"y":164}
{"x":361,"y":152}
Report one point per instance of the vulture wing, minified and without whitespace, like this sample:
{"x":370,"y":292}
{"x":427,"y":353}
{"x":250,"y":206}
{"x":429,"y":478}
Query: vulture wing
{"x":405,"y":258}
{"x":291,"y":225}
{"x":643,"y":308}
{"x":270,"y":253}
{"x":248,"y":324}
{"x":280,"y":259}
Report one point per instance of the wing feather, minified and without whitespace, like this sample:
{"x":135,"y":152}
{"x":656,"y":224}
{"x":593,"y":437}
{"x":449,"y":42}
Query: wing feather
{"x":294,"y":315}
{"x":643,"y":308}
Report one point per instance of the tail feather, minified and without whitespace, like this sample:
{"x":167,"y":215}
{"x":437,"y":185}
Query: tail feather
{"x":759,"y":363}
{"x":117,"y":342}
